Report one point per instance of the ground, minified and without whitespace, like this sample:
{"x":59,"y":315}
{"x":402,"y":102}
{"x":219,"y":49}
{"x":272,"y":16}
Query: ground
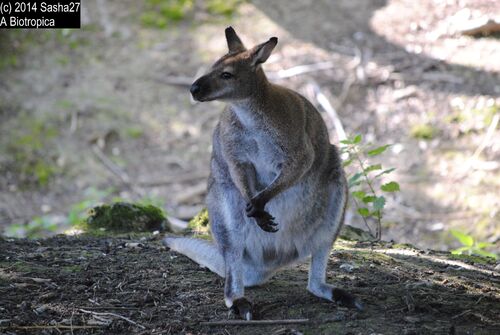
{"x":104,"y":112}
{"x":132,"y":285}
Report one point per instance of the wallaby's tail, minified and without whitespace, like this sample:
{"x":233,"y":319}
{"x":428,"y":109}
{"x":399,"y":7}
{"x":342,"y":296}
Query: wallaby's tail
{"x":202,"y":252}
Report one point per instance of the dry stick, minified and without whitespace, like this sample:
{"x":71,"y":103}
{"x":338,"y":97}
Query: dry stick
{"x":301,"y":69}
{"x":487,"y":137}
{"x":116,"y":170}
{"x":330,"y":110}
{"x":115,"y":315}
{"x":177,"y":179}
{"x":485,"y":27}
{"x":49,"y":327}
{"x":254,"y":322}
{"x":184,"y":81}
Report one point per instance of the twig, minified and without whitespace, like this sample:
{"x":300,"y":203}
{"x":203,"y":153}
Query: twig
{"x":487,"y":137}
{"x":461,"y":314}
{"x":330,"y":110}
{"x":177,"y":179}
{"x":115,"y":315}
{"x":111,"y":307}
{"x":300,"y":69}
{"x":116,"y":170}
{"x":484,"y":27}
{"x":48,"y":327}
{"x":190,"y":193}
{"x":254,"y":322}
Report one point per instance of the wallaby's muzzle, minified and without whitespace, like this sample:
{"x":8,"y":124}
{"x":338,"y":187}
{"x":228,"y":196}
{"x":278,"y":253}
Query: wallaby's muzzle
{"x":199,"y":89}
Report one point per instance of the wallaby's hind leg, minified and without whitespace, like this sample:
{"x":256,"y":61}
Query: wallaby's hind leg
{"x":319,"y":258}
{"x":202,"y":252}
{"x":225,"y":207}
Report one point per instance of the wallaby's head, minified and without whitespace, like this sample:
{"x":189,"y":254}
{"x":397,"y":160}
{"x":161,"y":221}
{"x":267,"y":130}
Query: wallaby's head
{"x":237,"y":74}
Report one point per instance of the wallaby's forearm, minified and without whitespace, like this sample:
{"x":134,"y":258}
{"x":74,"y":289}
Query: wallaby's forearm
{"x":291,"y":171}
{"x":245,"y":178}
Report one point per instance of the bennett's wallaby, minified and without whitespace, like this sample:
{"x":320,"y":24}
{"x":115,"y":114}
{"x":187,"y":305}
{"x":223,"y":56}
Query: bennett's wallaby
{"x":277,"y":191}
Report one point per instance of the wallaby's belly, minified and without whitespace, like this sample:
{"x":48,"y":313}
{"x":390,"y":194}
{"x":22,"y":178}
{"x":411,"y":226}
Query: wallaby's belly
{"x":298,"y":212}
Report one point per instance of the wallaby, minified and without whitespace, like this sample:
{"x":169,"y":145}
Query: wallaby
{"x":277,"y":191}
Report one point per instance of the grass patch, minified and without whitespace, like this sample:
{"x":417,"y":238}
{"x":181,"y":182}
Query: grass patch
{"x":423,"y":131}
{"x":29,"y":145}
{"x":223,"y":7}
{"x":160,"y":13}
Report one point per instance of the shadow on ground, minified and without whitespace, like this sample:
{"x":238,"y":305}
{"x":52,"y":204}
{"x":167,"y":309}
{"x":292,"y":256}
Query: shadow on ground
{"x":125,"y":285}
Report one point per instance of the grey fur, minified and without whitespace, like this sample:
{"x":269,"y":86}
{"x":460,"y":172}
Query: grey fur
{"x":271,"y":152}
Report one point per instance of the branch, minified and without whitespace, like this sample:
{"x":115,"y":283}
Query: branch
{"x":254,"y":322}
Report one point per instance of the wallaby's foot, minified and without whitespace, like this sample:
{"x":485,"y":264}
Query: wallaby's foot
{"x":346,"y":299}
{"x":242,"y":308}
{"x":337,"y":295}
{"x":263,"y":218}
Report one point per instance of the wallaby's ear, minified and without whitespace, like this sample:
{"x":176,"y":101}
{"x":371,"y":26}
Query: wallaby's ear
{"x":234,"y":43}
{"x":262,"y":51}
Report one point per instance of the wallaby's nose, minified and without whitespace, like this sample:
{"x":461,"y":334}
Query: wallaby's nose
{"x":195,"y":88}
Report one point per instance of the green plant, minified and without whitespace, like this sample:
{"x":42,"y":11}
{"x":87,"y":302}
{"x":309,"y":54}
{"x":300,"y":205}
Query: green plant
{"x":365,"y":180}
{"x":470,"y":246}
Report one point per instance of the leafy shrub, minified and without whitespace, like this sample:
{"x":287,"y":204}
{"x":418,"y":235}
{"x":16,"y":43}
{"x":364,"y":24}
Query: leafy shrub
{"x":363,"y":183}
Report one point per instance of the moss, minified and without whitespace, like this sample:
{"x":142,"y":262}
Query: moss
{"x":423,"y":131}
{"x":125,"y":217}
{"x":473,"y":258}
{"x":350,"y":233}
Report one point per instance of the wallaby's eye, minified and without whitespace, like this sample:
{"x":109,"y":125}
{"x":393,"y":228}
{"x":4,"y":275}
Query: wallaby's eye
{"x":226,"y":75}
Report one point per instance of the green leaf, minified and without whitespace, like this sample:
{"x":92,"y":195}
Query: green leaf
{"x":385,"y":172}
{"x":465,"y":239}
{"x":346,"y":141}
{"x":378,"y":151}
{"x":354,"y":178}
{"x":379,"y":203}
{"x":373,"y":168}
{"x":357,"y":139}
{"x":484,"y":253}
{"x":482,"y":245}
{"x":460,"y":250}
{"x":369,"y":198}
{"x":364,"y":212}
{"x":358,"y":194}
{"x":347,"y":162}
{"x":390,"y":187}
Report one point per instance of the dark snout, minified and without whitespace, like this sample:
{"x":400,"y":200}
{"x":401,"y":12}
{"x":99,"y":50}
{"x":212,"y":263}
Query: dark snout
{"x":195,"y":88}
{"x":198,"y":89}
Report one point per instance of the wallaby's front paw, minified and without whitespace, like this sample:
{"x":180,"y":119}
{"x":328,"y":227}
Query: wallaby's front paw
{"x":263,"y":218}
{"x":242,"y":308}
{"x":346,"y":299}
{"x":266,"y":222}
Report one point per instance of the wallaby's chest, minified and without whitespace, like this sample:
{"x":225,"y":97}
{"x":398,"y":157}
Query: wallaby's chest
{"x":262,"y":151}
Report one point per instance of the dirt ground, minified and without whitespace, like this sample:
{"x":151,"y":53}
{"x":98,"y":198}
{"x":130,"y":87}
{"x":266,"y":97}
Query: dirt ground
{"x":86,"y":285}
{"x":415,"y":82}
